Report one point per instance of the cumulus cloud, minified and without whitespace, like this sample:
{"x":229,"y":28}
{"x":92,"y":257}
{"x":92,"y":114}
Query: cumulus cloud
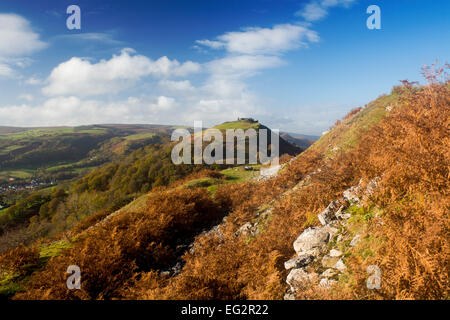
{"x":242,"y":65}
{"x":90,"y":36}
{"x":316,"y":10}
{"x":16,"y":37}
{"x":81,"y":77}
{"x":27,"y":97}
{"x":75,"y":111}
{"x":176,"y":87}
{"x":33,"y":81}
{"x":259,"y":41}
{"x":6,"y":71}
{"x":17,"y":40}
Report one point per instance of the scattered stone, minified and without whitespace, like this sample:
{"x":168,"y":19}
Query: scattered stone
{"x":371,"y":186}
{"x":335,"y":253}
{"x":329,"y":262}
{"x":298,"y":262}
{"x":313,"y":237}
{"x":299,"y":279}
{"x":328,"y":273}
{"x":267,"y":173}
{"x":340,"y":266}
{"x":289,"y":296}
{"x":246,"y":229}
{"x":352,"y":194}
{"x":356,"y":239}
{"x":327,"y":215}
{"x":326,"y":283}
{"x":342,"y":215}
{"x":388,"y":108}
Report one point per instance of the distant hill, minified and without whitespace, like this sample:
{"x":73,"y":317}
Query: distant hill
{"x":302,"y":141}
{"x":65,"y":152}
{"x":285,"y":146}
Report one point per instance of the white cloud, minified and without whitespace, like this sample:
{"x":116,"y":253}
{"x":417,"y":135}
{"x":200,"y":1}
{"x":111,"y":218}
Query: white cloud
{"x":33,"y":81}
{"x":242,"y":65}
{"x":27,"y":97}
{"x":313,"y":11}
{"x":176,"y":87}
{"x":17,"y":40}
{"x":16,"y":37}
{"x":90,"y":36}
{"x":81,"y":77}
{"x":316,"y":10}
{"x":259,"y":41}
{"x":75,"y":111}
{"x":6,"y":71}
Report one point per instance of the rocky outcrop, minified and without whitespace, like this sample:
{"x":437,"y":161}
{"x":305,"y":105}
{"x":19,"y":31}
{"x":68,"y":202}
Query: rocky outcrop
{"x":316,"y":262}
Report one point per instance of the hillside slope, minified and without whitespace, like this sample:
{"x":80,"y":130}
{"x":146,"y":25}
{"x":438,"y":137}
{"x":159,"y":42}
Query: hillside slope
{"x":371,"y":192}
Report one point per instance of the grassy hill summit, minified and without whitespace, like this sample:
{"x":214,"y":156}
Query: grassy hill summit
{"x":366,"y":204}
{"x":240,"y":123}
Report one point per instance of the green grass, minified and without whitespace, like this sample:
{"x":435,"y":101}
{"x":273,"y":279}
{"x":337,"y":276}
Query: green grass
{"x":54,"y":249}
{"x":92,"y":131}
{"x":239,"y":174}
{"x":232,"y":175}
{"x":139,"y":136}
{"x":36,"y":133}
{"x":8,"y":284}
{"x":237,"y":125}
{"x":202,"y":183}
{"x":10,"y":148}
{"x":346,"y":135}
{"x":17,"y":174}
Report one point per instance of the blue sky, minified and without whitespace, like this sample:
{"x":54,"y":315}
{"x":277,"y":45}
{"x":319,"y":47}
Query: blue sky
{"x":295,"y":65}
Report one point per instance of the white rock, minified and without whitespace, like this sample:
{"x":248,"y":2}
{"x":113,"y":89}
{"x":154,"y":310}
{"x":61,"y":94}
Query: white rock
{"x":298,"y":262}
{"x":326,"y":283}
{"x":335,"y":253}
{"x":329,"y":262}
{"x":311,"y":238}
{"x":267,"y":173}
{"x":328,"y":273}
{"x":327,"y":215}
{"x":340,"y":266}
{"x":299,"y":279}
{"x":289,"y":296}
{"x":356,"y":239}
{"x":246,"y":229}
{"x":352,"y":193}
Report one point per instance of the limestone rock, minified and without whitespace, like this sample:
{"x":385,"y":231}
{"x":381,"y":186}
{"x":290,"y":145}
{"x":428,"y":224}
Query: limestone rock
{"x":327,"y":215}
{"x":313,"y":237}
{"x":246,"y":229}
{"x":328,"y":273}
{"x":299,"y":261}
{"x":340,"y":266}
{"x":289,"y":296}
{"x":329,"y":262}
{"x":356,"y":239}
{"x":335,"y":253}
{"x":326,"y":283}
{"x":299,"y":279}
